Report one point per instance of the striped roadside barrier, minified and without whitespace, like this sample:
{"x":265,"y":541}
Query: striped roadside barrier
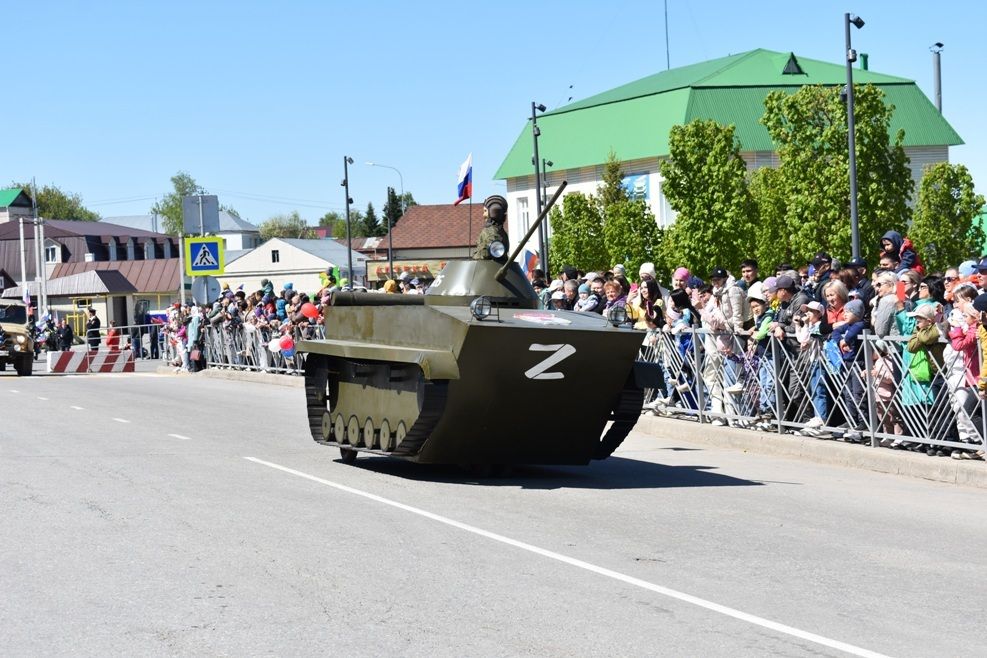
{"x":91,"y":362}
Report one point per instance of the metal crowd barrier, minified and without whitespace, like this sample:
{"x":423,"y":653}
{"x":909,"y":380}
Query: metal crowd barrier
{"x":245,"y":346}
{"x":873,"y":399}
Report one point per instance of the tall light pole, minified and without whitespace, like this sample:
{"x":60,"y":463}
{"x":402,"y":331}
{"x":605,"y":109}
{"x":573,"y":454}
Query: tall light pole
{"x":535,"y":132}
{"x":390,"y":242}
{"x":545,"y":164}
{"x":851,"y":57}
{"x":936,"y":48}
{"x":347,"y":161}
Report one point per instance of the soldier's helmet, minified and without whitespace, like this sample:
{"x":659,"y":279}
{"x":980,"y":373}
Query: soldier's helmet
{"x":495,"y":208}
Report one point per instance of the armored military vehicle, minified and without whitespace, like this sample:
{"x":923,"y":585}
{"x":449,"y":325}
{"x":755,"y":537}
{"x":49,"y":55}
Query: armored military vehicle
{"x":16,"y":344}
{"x":472,"y":372}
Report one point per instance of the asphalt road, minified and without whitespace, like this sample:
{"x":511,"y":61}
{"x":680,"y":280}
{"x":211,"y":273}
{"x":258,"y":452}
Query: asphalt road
{"x":157,"y":515}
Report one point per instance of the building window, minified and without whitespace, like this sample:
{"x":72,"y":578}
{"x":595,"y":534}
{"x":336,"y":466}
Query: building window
{"x":51,"y":254}
{"x":523,"y":215}
{"x":275,"y":256}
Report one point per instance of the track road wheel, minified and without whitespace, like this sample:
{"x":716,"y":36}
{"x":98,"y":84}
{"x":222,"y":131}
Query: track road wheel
{"x":347,"y":455}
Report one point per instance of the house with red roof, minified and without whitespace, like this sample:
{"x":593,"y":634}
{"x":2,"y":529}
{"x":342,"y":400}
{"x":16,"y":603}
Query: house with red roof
{"x":424,"y":240}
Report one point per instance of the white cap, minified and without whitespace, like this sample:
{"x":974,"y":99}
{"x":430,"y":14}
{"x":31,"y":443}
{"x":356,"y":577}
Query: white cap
{"x":756,"y":292}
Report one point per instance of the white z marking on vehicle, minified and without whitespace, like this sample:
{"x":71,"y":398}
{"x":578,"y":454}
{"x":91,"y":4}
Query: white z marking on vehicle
{"x":561,"y":352}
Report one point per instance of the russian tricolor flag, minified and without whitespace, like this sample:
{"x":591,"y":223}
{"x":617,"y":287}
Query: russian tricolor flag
{"x":465,"y":189}
{"x":530,"y":261}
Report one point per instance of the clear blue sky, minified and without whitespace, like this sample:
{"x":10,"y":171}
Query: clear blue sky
{"x":259,"y":101}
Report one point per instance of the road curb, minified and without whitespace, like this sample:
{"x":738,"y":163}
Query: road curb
{"x":229,"y":374}
{"x":834,"y":453}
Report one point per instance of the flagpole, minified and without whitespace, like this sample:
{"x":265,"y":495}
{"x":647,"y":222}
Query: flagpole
{"x":469,"y":234}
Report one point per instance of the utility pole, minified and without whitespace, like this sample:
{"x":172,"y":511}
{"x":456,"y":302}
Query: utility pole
{"x":347,"y":161}
{"x":535,"y":132}
{"x":937,"y":73}
{"x":851,"y":57}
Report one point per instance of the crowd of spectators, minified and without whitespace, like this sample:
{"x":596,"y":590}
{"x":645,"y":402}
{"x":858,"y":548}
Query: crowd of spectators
{"x":790,"y":344}
{"x":809,"y":323}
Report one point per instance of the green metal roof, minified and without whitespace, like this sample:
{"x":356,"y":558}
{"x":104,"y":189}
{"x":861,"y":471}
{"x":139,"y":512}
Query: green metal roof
{"x":8,"y":197}
{"x":635,"y":119}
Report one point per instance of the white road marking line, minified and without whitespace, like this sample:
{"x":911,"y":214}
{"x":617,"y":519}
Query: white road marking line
{"x":41,"y":398}
{"x":76,"y":408}
{"x":121,"y":420}
{"x":616,"y":575}
{"x":14,"y":391}
{"x":179,"y":436}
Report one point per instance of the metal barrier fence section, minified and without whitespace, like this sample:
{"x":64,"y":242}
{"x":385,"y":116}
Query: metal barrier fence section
{"x":874,"y":395}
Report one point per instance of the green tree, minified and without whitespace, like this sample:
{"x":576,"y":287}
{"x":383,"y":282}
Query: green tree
{"x":371,"y":225}
{"x":612,"y":190}
{"x":407,"y":200}
{"x":336,"y":221}
{"x":632,"y":236}
{"x":774,"y":244}
{"x":944,"y":231}
{"x":705,"y":183}
{"x":577,"y":234}
{"x":393,"y":208}
{"x":286,"y":226}
{"x":810,"y":129}
{"x":356,"y":225}
{"x":53,"y":203}
{"x":630,"y":233}
{"x":170,"y":206}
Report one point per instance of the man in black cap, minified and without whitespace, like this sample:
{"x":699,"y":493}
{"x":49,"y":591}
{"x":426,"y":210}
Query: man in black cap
{"x":495,"y":214}
{"x":982,"y":275}
{"x":822,"y":272}
{"x":862,"y":290}
{"x":92,"y":330}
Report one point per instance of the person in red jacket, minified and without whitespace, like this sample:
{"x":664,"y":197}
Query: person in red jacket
{"x":113,"y":337}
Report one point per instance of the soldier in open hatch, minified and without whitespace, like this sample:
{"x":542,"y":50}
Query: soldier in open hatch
{"x":495,"y":213}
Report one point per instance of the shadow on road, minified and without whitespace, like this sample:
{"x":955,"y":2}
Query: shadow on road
{"x":612,"y":473}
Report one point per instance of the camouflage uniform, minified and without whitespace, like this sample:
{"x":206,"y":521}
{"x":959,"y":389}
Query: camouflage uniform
{"x":495,"y":213}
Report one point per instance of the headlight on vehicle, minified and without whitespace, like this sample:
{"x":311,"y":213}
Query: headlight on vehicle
{"x":617,"y":315}
{"x":21,"y":339}
{"x":497,"y":249}
{"x":480,"y":307}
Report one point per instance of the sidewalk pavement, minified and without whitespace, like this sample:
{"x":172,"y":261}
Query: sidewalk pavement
{"x":232,"y":374}
{"x":837,"y":453}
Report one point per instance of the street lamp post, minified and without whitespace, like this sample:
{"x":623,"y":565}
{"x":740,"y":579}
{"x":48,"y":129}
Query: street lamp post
{"x":545,"y":164}
{"x":936,"y":48}
{"x":390,"y":241}
{"x":851,"y":57}
{"x":347,"y":161}
{"x":535,"y":132}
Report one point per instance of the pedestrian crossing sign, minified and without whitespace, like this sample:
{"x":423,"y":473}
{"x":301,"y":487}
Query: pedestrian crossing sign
{"x":205,"y":256}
